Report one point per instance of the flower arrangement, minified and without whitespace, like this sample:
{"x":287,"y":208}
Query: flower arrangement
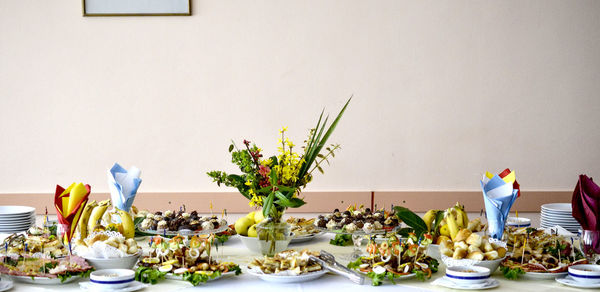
{"x":275,"y":183}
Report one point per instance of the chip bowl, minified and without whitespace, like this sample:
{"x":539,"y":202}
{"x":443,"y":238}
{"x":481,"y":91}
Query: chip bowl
{"x":126,"y":262}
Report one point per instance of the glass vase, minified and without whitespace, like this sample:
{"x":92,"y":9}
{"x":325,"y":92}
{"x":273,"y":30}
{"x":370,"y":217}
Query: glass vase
{"x":590,"y":245}
{"x":273,"y":236}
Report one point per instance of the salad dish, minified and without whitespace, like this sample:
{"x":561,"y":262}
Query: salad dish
{"x":356,"y":220}
{"x":45,"y":270}
{"x":396,"y":259}
{"x":538,"y":254}
{"x":177,"y":258}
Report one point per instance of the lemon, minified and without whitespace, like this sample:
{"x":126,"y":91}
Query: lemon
{"x":171,"y":262}
{"x":151,"y":260}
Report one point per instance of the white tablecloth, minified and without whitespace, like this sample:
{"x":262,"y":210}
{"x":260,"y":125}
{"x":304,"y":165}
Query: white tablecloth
{"x":236,"y":252}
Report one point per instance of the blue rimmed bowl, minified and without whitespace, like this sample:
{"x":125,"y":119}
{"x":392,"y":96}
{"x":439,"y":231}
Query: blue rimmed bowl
{"x":467,"y":275}
{"x":112,"y":278}
{"x":588,"y":274}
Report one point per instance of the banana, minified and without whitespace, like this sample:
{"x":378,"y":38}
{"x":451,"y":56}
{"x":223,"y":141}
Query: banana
{"x":452,"y":226}
{"x":97,"y":215}
{"x":127,"y":223}
{"x":429,"y":217}
{"x":461,"y":216}
{"x":85,"y":217}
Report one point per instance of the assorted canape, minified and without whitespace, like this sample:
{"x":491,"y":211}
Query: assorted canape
{"x":288,"y":262}
{"x":171,"y":221}
{"x":35,"y":241}
{"x":357,"y":219}
{"x":394,"y":259}
{"x":302,"y":227}
{"x":181,"y":259}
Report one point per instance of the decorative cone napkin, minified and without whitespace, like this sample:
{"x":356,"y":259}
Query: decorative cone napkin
{"x":69,"y":204}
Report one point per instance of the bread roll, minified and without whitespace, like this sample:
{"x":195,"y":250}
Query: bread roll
{"x":487,"y":246}
{"x":459,"y":253}
{"x":446,"y":244}
{"x":461,"y":244}
{"x":473,"y":248}
{"x":447,"y":252}
{"x":462,"y":235}
{"x":474,"y":239}
{"x":501,"y":252}
{"x":476,"y":255}
{"x":491,"y":255}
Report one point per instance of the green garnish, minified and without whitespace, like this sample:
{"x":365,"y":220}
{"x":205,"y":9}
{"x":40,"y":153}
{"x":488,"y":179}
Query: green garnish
{"x":149,"y":275}
{"x":355,"y":264}
{"x":376,"y":279}
{"x":511,"y":274}
{"x":341,"y":240}
{"x":198,"y":278}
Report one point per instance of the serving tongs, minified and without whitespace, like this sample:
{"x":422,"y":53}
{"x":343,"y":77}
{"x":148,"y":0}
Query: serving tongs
{"x":327,"y":260}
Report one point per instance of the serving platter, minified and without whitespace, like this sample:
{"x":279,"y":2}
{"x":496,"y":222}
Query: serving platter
{"x":185,"y":232}
{"x":275,"y":278}
{"x":43,"y":280}
{"x":306,"y":237}
{"x":543,"y":276}
{"x":172,"y":276}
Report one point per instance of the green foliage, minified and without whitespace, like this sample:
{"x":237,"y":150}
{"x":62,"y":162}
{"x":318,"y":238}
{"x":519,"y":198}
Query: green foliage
{"x":511,"y":274}
{"x":149,"y":275}
{"x":276,"y":182}
{"x":376,"y":279}
{"x":411,"y":219}
{"x":355,"y":264}
{"x":341,"y":240}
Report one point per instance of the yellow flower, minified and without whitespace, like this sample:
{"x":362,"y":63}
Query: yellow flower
{"x":248,"y":183}
{"x":267,"y":162}
{"x":255,"y":200}
{"x":283,"y":129}
{"x":290,"y":143}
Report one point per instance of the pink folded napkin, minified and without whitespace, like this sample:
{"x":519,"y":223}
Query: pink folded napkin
{"x":586,"y":203}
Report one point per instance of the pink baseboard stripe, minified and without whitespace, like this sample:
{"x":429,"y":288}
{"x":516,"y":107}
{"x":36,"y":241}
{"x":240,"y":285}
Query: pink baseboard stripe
{"x":318,"y":202}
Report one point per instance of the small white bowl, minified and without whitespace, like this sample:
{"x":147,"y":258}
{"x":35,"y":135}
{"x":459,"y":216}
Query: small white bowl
{"x":589,"y":274}
{"x":254,"y":246}
{"x":518,"y":222}
{"x":113,"y":263}
{"x":112,"y":278}
{"x":468,"y":274}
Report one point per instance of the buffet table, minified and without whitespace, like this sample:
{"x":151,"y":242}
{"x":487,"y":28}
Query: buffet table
{"x":235,"y":251}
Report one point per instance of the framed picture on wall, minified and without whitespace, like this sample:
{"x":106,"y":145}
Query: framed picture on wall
{"x":136,"y":7}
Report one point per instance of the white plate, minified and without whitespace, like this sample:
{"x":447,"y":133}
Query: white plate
{"x":17,"y":223}
{"x":172,"y":276}
{"x":43,"y":280}
{"x":448,"y":283}
{"x":304,"y":238}
{"x":567,"y":280}
{"x":134,"y":286}
{"x":557,"y":207}
{"x":288,"y":279}
{"x":542,"y":276}
{"x":15,"y":210}
{"x":5,"y":284}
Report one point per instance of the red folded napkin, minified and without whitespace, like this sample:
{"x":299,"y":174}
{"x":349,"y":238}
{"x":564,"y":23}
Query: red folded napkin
{"x":516,"y":185}
{"x":586,"y":203}
{"x":69,"y":204}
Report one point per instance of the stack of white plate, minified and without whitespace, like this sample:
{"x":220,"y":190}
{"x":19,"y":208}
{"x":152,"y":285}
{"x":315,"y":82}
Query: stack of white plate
{"x":16,"y":218}
{"x":559,"y":214}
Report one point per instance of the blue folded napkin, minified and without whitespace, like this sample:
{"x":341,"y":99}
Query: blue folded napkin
{"x":498,"y":197}
{"x":123,"y":185}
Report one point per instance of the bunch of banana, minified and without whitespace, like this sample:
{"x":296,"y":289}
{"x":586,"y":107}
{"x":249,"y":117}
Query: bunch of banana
{"x":95,"y":219}
{"x":446,"y":223}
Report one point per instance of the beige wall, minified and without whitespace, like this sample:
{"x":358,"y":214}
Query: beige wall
{"x":443,"y":91}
